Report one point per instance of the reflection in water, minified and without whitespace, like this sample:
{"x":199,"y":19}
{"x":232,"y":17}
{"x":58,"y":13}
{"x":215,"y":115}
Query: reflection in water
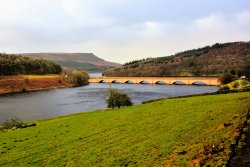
{"x":56,"y":102}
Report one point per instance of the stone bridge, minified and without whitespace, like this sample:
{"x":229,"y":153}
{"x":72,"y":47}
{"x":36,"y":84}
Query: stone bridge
{"x":158,"y":80}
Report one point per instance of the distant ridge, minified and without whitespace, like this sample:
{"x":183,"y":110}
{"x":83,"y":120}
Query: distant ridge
{"x":220,"y":58}
{"x":85,"y":61}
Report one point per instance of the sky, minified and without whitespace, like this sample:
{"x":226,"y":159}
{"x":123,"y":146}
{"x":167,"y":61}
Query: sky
{"x":120,"y":30}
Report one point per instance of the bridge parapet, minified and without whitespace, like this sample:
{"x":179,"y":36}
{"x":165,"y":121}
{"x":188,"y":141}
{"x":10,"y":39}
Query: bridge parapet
{"x":154,"y":80}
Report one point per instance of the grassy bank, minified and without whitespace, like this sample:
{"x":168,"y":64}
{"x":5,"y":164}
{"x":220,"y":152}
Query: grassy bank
{"x":174,"y":132}
{"x":238,"y":85}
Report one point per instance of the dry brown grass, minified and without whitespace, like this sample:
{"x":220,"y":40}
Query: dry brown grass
{"x":12,"y":84}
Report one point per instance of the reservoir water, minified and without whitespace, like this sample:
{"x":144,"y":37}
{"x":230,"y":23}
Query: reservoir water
{"x":56,"y":102}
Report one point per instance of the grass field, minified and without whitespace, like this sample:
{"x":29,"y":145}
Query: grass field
{"x":174,"y":132}
{"x":40,"y":76}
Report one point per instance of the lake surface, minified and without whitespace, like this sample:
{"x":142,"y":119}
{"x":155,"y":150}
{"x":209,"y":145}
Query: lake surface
{"x":57,"y":102}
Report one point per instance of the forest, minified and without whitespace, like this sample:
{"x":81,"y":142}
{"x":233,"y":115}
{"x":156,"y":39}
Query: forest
{"x":212,"y":60}
{"x":19,"y":65}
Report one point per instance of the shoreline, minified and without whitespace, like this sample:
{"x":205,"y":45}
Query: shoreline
{"x":84,"y":109}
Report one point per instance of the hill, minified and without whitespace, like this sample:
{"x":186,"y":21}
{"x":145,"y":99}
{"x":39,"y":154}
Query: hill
{"x":207,"y":61}
{"x":85,"y":61}
{"x":191,"y":131}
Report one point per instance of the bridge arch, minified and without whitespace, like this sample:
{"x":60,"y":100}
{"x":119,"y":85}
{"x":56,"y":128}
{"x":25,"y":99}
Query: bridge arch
{"x":115,"y":81}
{"x":102,"y":81}
{"x":199,"y":83}
{"x":161,"y":82}
{"x":144,"y":82}
{"x":129,"y":82}
{"x":179,"y":83}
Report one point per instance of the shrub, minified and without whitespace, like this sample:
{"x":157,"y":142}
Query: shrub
{"x":13,"y":122}
{"x":114,"y":98}
{"x":26,"y":81}
{"x":224,"y":89}
{"x":239,"y":85}
{"x":79,"y":78}
{"x":23,"y":89}
{"x":227,"y":78}
{"x":235,"y":85}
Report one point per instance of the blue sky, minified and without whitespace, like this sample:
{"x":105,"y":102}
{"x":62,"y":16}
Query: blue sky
{"x":120,"y":30}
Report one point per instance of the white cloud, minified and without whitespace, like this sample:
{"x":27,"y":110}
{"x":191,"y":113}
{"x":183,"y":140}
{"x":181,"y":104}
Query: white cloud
{"x":117,"y":30}
{"x":243,"y":20}
{"x":243,"y":17}
{"x":211,"y":22}
{"x":154,"y":29}
{"x":225,"y":27}
{"x":70,"y":5}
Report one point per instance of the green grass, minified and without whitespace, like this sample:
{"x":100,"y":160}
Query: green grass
{"x":172,"y":132}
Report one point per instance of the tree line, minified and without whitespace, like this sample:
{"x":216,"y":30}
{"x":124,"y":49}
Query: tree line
{"x":18,"y":65}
